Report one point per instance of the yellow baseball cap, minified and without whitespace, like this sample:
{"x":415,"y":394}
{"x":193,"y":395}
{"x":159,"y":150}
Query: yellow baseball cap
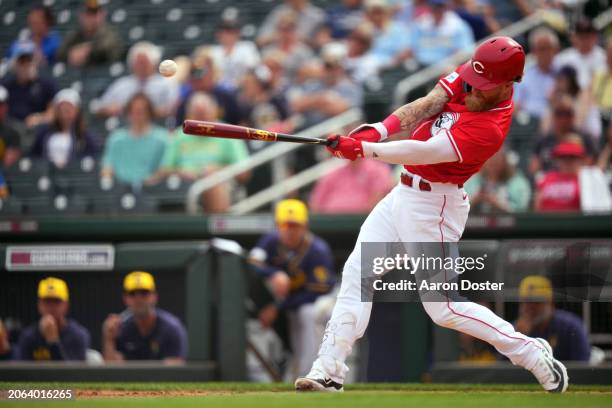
{"x":53,"y":288}
{"x":138,"y":280}
{"x":536,"y":288}
{"x":291,"y":211}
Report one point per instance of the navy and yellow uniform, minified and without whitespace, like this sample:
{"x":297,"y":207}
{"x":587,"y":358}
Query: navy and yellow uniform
{"x":310,"y":267}
{"x":72,"y":345}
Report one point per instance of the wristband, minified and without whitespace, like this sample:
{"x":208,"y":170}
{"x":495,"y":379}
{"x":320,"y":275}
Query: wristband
{"x":392,"y":125}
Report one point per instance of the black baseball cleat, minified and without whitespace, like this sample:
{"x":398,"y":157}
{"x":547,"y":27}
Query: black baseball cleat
{"x":550,"y":372}
{"x":306,"y":384}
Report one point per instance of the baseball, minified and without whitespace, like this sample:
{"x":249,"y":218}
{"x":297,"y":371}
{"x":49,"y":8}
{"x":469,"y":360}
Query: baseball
{"x":167,"y":68}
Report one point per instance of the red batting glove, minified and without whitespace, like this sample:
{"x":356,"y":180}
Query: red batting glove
{"x":344,"y":147}
{"x":377,"y":132}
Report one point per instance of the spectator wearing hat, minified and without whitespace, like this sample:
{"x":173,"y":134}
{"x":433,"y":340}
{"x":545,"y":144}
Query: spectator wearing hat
{"x":538,"y":317}
{"x":30,"y":95}
{"x":46,"y":40}
{"x":563,"y":128}
{"x":143,"y":60}
{"x":499,"y":187}
{"x":192,"y":157}
{"x":133,"y":154}
{"x":320,"y":99}
{"x":205,"y":77}
{"x":94,"y":42}
{"x":294,"y":49}
{"x":310,"y":18}
{"x":11,"y":133}
{"x":143,"y":331}
{"x":233,"y":56}
{"x":54,"y":337}
{"x":352,"y":189}
{"x":585,"y":56}
{"x":559,"y":190}
{"x":532,"y":93}
{"x":255,"y":92}
{"x":439,"y":34}
{"x":391,"y":41}
{"x":66,"y":138}
{"x":359,"y":63}
{"x":298,"y":268}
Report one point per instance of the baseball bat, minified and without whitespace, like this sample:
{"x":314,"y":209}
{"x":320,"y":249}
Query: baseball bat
{"x":214,"y":129}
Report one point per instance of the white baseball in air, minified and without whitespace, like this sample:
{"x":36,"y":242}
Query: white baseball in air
{"x":167,"y":68}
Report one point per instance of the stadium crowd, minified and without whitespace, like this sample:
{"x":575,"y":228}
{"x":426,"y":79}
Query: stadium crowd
{"x":305,"y":64}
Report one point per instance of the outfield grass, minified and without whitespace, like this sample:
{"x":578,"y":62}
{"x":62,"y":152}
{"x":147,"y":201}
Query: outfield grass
{"x":360,"y":395}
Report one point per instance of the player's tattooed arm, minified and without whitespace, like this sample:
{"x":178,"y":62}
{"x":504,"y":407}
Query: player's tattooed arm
{"x":411,"y":114}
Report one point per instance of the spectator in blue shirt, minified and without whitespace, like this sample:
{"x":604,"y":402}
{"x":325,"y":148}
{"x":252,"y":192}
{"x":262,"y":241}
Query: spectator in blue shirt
{"x":54,"y":336}
{"x":439,"y":34}
{"x":46,"y":40}
{"x":30,"y":95}
{"x":533,"y":92}
{"x":298,"y":267}
{"x":143,"y":331}
{"x":538,"y":318}
{"x":344,"y":18}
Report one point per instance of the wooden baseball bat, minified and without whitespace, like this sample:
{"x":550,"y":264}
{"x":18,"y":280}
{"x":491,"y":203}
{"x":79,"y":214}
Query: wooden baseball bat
{"x":214,"y":129}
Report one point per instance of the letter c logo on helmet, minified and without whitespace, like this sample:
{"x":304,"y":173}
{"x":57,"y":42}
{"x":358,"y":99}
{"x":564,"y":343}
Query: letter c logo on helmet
{"x":478,"y":67}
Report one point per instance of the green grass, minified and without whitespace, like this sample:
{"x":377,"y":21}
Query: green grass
{"x":356,"y":396}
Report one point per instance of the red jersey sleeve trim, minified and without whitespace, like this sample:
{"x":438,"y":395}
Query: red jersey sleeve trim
{"x":450,"y":137}
{"x":446,"y":88}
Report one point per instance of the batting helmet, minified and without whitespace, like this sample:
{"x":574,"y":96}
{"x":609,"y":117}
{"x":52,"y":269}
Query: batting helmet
{"x":495,"y":61}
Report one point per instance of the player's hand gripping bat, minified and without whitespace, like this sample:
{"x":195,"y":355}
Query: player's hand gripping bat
{"x":213,"y":129}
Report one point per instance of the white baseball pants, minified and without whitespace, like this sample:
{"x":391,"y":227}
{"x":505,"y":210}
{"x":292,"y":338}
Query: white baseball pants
{"x":410,"y":215}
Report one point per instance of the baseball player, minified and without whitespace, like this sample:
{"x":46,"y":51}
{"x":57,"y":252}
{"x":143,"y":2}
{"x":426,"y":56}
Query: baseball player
{"x":453,"y":131}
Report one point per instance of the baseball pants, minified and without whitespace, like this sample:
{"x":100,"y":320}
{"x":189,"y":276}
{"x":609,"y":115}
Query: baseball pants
{"x":407,"y":214}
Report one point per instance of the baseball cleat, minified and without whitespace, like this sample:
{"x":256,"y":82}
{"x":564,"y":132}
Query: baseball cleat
{"x":550,"y":372}
{"x":306,"y":384}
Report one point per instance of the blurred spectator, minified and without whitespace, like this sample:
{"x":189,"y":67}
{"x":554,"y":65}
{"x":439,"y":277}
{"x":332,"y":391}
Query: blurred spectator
{"x":4,"y":191}
{"x":392,"y":40}
{"x":587,"y":118}
{"x":295,"y":52}
{"x":274,"y":60}
{"x":133,"y":154}
{"x":499,"y":187}
{"x":604,"y":161}
{"x":66,"y":138}
{"x":479,"y":15}
{"x":143,"y":331}
{"x":321,"y":99}
{"x":563,"y":128}
{"x":298,"y":267}
{"x":143,"y":59}
{"x":192,"y":157}
{"x":232,"y":56}
{"x":255,"y":94}
{"x":54,"y":336}
{"x":532,"y":93}
{"x":310,"y":18}
{"x":46,"y":40}
{"x":473,"y":350}
{"x":559,"y":190}
{"x":585,"y":56}
{"x":7,"y":351}
{"x":94,"y":42}
{"x":204,"y":77}
{"x":11,"y":133}
{"x":354,"y":188}
{"x":440,"y":34}
{"x":359,"y":63}
{"x":344,"y":17}
{"x":30,"y":95}
{"x":538,"y":317}
{"x":601,"y":89}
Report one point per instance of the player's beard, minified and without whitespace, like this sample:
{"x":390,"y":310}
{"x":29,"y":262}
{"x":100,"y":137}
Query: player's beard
{"x":479,"y":103}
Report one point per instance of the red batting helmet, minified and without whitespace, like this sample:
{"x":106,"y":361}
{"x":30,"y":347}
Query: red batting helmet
{"x":495,"y":61}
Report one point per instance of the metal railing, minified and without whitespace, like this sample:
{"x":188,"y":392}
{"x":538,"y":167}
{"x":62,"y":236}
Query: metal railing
{"x":271,"y":153}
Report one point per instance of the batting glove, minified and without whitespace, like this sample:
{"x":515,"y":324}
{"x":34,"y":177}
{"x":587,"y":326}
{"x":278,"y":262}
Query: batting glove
{"x":376,"y":132}
{"x":344,"y":147}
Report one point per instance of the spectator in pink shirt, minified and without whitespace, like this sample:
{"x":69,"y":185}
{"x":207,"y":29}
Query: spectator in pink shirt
{"x":354,"y":188}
